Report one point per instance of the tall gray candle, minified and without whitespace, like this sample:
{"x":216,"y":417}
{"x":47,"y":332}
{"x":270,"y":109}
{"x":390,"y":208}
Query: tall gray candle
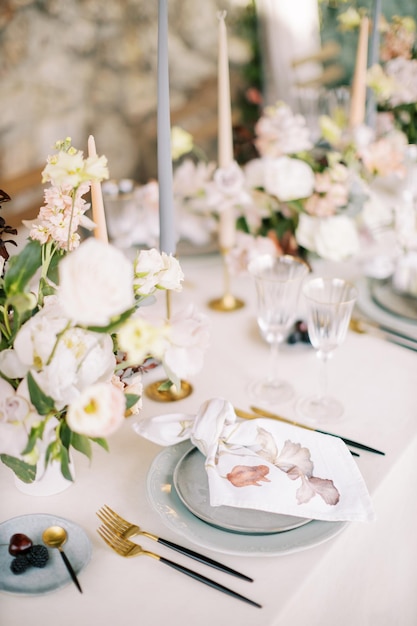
{"x":167,"y":235}
{"x":372,"y":60}
{"x":374,"y":44}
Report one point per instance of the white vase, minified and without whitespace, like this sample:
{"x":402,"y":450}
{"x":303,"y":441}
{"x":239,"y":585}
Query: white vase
{"x":49,"y":481}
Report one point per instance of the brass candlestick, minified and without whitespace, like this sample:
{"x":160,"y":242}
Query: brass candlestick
{"x":160,"y":390}
{"x":227,"y":302}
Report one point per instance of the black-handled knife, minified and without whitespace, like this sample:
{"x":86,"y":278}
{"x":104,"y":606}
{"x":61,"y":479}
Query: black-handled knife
{"x":207,"y":581}
{"x":348,"y":442}
{"x":202,"y":559}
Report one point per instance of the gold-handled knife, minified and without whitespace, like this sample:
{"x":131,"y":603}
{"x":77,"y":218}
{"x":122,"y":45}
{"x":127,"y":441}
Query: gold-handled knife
{"x":349,"y":442}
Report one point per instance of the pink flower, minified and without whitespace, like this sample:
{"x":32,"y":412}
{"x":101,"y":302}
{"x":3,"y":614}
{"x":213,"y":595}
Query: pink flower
{"x":279,"y":132}
{"x":384,"y":157}
{"x":98,"y":412}
{"x":247,"y":247}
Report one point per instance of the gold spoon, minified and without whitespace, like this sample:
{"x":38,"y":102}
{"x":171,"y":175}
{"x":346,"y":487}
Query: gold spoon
{"x":55,"y":537}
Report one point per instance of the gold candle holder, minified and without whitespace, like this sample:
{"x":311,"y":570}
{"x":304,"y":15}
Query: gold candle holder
{"x":160,"y":390}
{"x":227,"y":302}
{"x":156,"y":391}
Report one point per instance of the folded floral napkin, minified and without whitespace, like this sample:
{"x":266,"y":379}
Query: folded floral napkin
{"x":266,"y":465}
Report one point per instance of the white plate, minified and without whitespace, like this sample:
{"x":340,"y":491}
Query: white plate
{"x":36,"y":580}
{"x":375,"y":312}
{"x":191,"y":484}
{"x":164,"y":499}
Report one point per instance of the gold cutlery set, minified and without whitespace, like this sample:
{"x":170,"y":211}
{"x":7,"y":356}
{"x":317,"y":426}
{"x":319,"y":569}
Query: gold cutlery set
{"x":115,"y":532}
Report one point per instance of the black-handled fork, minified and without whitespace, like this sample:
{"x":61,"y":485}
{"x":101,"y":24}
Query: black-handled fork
{"x":127,"y":548}
{"x":123,"y":528}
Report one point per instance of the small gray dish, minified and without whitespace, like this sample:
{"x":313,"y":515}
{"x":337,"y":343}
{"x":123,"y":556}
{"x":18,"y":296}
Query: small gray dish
{"x":38,"y":581}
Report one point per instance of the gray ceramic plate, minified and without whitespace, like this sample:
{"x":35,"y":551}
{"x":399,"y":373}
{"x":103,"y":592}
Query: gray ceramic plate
{"x":37,"y":581}
{"x":191,"y":483}
{"x":163,"y":498}
{"x":374,"y":311}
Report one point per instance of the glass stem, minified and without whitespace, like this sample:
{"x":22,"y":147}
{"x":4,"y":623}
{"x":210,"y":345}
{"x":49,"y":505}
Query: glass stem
{"x":274,"y":362}
{"x":323,"y":380}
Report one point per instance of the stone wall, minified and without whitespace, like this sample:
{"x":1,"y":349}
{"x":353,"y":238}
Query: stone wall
{"x":80,"y":67}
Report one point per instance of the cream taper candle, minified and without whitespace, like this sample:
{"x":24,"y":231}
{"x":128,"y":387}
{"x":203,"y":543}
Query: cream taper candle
{"x":227,"y":228}
{"x":167,"y":234}
{"x":97,"y":205}
{"x":358,"y":94}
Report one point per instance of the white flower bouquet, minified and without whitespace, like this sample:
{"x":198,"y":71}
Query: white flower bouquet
{"x":74,"y":341}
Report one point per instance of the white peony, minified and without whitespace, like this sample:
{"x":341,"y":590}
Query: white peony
{"x":334,"y":238}
{"x":95,"y":284}
{"x":288,"y":179}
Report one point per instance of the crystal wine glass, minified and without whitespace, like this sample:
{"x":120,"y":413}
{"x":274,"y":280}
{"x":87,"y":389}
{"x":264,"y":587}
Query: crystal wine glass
{"x":278,"y":282}
{"x":329,"y":304}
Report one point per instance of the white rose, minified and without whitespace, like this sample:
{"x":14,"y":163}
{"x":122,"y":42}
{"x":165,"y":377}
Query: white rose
{"x":255,"y":173}
{"x":98,"y":411}
{"x":172,"y":275}
{"x":156,"y":270}
{"x":333,"y":238}
{"x":288,"y":179}
{"x":95,"y":283}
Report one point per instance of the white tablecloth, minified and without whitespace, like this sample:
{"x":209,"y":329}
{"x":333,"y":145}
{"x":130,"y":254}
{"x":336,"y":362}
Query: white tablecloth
{"x":364,"y":576}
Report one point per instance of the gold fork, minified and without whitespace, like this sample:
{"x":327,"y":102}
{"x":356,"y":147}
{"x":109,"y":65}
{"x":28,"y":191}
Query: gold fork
{"x":127,"y":548}
{"x":125,"y":529}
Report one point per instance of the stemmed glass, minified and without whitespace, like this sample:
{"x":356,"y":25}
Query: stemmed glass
{"x":329,"y":304}
{"x":278,"y":282}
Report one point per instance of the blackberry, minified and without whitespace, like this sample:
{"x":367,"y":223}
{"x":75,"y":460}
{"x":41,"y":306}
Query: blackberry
{"x":299,"y":333}
{"x":37,"y":556}
{"x":19,"y":564}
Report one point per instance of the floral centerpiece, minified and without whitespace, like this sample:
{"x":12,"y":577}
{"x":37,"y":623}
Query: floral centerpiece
{"x":394,"y":79}
{"x":307,"y":197}
{"x":294,"y":197}
{"x":74,"y":336}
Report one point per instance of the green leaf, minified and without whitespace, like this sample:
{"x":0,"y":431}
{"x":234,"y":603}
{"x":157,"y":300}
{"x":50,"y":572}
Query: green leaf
{"x":115,"y":323}
{"x":65,"y":434}
{"x":22,"y":267}
{"x":43,"y":404}
{"x":82,"y":444}
{"x":131,"y":399}
{"x":45,"y":289}
{"x":101,"y":442}
{"x":24,"y":471}
{"x":36,"y":432}
{"x":65,"y":470}
{"x":49,"y":452}
{"x":22,"y":303}
{"x":53,"y":266}
{"x":165,"y":386}
{"x":242,"y":224}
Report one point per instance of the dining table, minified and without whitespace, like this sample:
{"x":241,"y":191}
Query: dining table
{"x":364,"y":574}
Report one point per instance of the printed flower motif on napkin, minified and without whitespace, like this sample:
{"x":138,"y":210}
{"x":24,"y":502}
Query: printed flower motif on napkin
{"x":268,"y":466}
{"x":295,"y":461}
